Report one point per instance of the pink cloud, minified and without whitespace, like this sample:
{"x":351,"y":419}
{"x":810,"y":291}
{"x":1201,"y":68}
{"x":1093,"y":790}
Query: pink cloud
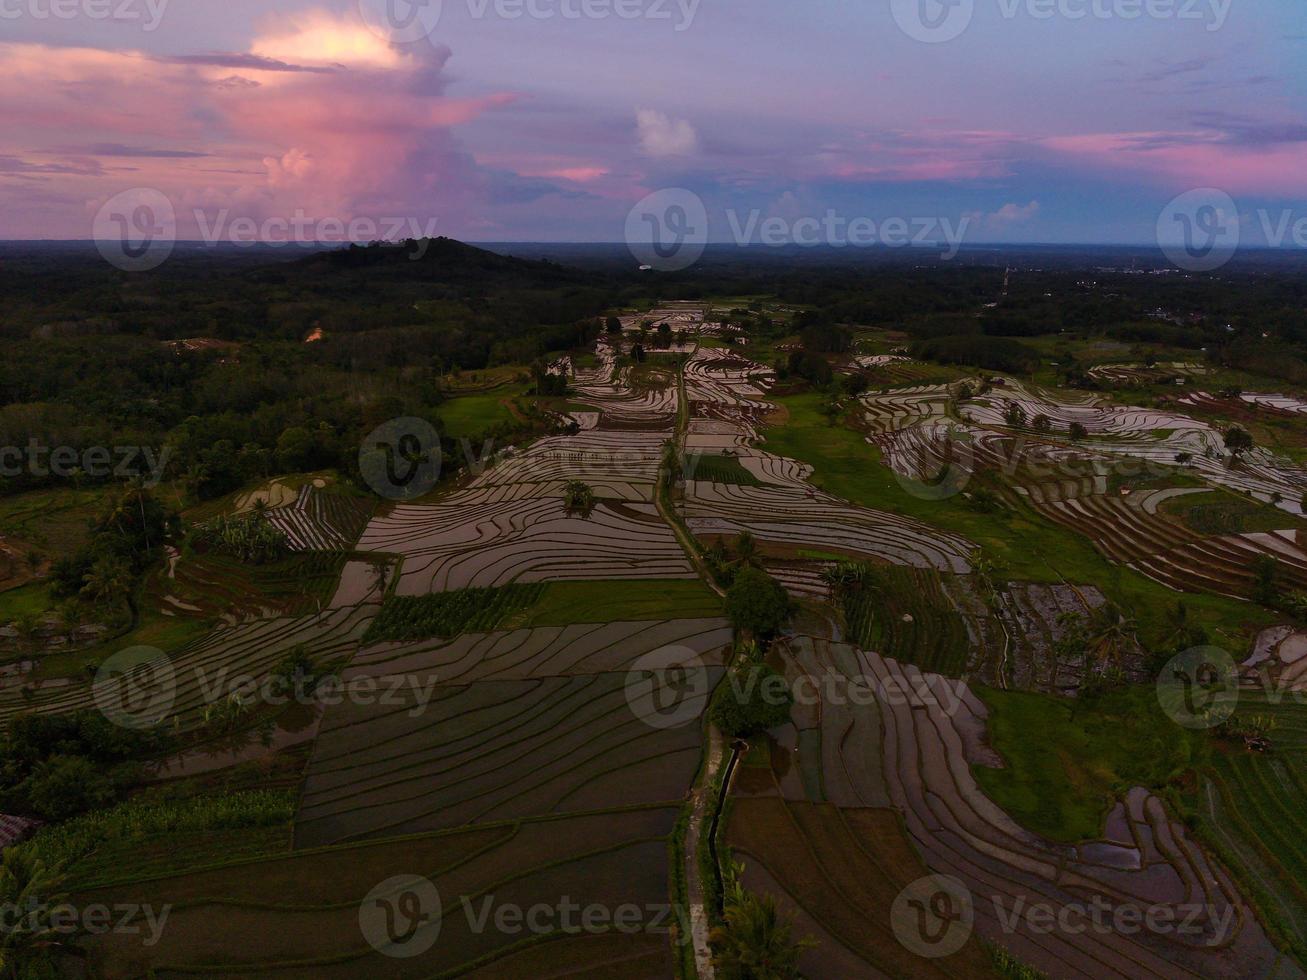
{"x":922,"y":156}
{"x":368,"y":131}
{"x":1183,"y":160}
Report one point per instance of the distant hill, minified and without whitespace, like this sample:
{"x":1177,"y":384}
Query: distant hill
{"x":438,"y":260}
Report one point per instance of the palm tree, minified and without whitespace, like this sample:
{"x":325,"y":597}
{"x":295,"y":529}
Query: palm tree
{"x":1180,"y":628}
{"x":1110,"y":633}
{"x":755,"y":943}
{"x":28,"y":886}
{"x":746,"y":548}
{"x":846,"y":577}
{"x":109,"y":578}
{"x":671,"y":462}
{"x":26,"y":623}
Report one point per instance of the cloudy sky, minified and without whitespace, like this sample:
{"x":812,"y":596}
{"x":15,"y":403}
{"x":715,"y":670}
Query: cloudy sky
{"x":546,"y":120}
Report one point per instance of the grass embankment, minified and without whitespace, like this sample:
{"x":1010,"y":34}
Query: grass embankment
{"x":447,"y":614}
{"x":156,"y":835}
{"x":470,"y":415}
{"x":1253,"y":811}
{"x":167,"y":633}
{"x":611,"y":602}
{"x":1068,"y":762}
{"x":718,"y":469}
{"x":903,"y":613}
{"x":1023,"y":544}
{"x":1222,"y":512}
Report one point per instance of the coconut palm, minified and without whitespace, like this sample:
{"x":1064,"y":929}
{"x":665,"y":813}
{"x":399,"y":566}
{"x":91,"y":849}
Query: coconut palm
{"x":846,"y":577}
{"x":33,"y":890}
{"x":26,"y":624}
{"x":108,"y":579}
{"x":1110,"y":634}
{"x":755,"y":943}
{"x":746,"y":549}
{"x":671,"y":462}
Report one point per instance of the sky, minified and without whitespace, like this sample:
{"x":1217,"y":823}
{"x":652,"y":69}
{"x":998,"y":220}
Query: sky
{"x":1060,"y":121}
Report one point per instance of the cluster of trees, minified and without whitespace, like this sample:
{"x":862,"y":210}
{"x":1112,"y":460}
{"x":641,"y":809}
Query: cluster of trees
{"x":57,"y":766}
{"x":989,"y":353}
{"x":810,"y":366}
{"x":124,"y":540}
{"x":251,"y":539}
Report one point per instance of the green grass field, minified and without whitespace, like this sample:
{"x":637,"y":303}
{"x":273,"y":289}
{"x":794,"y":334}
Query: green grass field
{"x":33,"y":599}
{"x":167,"y":633}
{"x":1253,"y":810}
{"x":719,"y":469}
{"x":470,"y":415}
{"x":933,"y":636}
{"x":53,"y":521}
{"x":1023,"y":544}
{"x":1068,"y":762}
{"x":1226,"y":513}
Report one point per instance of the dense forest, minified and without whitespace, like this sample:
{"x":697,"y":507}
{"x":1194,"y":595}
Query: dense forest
{"x":247,"y":362}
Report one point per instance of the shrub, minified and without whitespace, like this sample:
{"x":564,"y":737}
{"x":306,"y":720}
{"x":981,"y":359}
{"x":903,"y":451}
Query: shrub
{"x":448,"y":613}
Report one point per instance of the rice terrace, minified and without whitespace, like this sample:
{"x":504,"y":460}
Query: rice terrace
{"x":641,"y":490}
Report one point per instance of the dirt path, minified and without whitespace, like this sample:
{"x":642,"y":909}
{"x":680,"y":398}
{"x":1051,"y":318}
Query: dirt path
{"x":703,"y":799}
{"x":703,"y":807}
